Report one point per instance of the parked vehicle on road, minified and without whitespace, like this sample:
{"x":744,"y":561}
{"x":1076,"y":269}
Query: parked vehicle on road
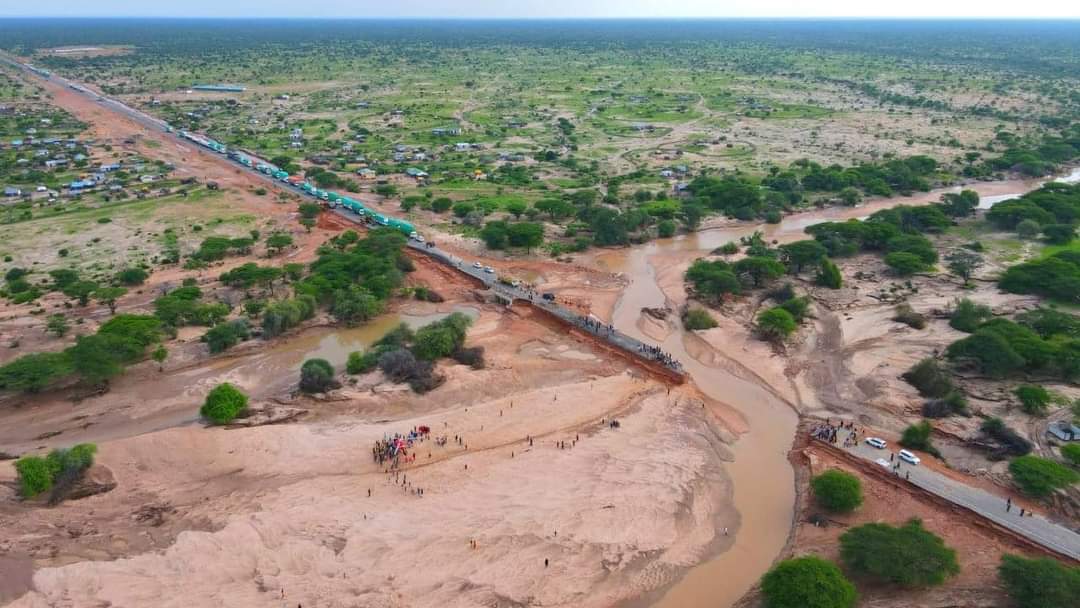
{"x":877,"y":443}
{"x":909,"y":458}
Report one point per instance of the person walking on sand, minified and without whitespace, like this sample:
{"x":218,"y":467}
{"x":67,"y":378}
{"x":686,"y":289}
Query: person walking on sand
{"x":545,"y":562}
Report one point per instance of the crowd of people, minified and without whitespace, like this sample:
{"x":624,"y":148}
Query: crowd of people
{"x":828,"y":432}
{"x":395,"y":448}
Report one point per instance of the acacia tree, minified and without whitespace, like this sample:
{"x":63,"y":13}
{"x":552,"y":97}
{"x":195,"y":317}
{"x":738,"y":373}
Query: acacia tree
{"x":963,"y":263}
{"x":807,"y":582}
{"x":884,"y":553}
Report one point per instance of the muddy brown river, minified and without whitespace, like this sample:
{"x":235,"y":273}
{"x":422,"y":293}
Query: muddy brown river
{"x":762,"y":477}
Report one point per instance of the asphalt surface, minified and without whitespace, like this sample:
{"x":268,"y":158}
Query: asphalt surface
{"x":992,"y":507}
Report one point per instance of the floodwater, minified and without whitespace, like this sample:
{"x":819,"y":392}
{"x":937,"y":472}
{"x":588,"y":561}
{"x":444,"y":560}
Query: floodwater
{"x":762,"y":478}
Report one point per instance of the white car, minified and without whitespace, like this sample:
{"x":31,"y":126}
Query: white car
{"x":489,"y":270}
{"x":908,"y":457}
{"x":883,"y":463}
{"x":477,"y":265}
{"x":877,"y":443}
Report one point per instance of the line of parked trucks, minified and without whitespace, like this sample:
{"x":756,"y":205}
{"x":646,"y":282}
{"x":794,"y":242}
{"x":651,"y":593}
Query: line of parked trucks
{"x":330,"y":199}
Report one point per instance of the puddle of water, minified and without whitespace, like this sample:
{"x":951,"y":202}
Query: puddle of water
{"x":335,"y":344}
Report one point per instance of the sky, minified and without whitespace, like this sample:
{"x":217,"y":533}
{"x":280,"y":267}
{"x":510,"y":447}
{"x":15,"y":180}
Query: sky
{"x":490,"y":9}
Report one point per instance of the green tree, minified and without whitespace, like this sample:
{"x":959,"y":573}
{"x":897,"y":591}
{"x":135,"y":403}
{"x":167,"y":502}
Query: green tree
{"x":81,"y":290}
{"x":850,"y":196}
{"x":317,"y":376}
{"x":909,"y":555}
{"x":109,"y":295}
{"x":776,"y":323}
{"x":829,"y":275}
{"x":223,"y":404}
{"x":712,"y":279}
{"x":666,"y":229}
{"x":807,"y":582}
{"x":837,"y":491}
{"x":98,"y":358}
{"x":525,"y":234}
{"x":57,"y":325}
{"x":1059,"y":234}
{"x":760,"y":269}
{"x":226,"y":335}
{"x":1033,"y":399}
{"x":963,"y":263}
{"x":494,"y":234}
{"x":362,"y":362}
{"x":803,"y":253}
{"x":698,"y":318}
{"x":355,"y":305}
{"x":1028,"y":229}
{"x":1041,"y":582}
{"x":441,"y":204}
{"x":278,"y":241}
{"x":516,"y":208}
{"x":1039,"y":477}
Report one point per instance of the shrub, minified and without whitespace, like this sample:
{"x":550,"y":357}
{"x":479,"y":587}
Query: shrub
{"x":951,"y":404}
{"x":397,"y":337}
{"x":317,"y":376}
{"x":904,"y":313}
{"x":473,"y":357}
{"x":917,"y":437}
{"x":929,"y":379}
{"x":829,"y":275}
{"x":904,"y":263}
{"x":989,"y":351}
{"x":223,"y":404}
{"x":1059,"y":234}
{"x":224,"y":336}
{"x":1071,"y":453}
{"x":1028,"y":229}
{"x":132,"y":276}
{"x":1011,"y":441}
{"x":35,"y":475}
{"x":1040,"y":582}
{"x":1039,"y":476}
{"x":697,"y":318}
{"x":807,"y":582}
{"x":838,"y":491}
{"x":776,"y":323}
{"x":35,"y":372}
{"x":909,"y":555}
{"x":798,"y":307}
{"x":399,"y":364}
{"x":361,"y":362}
{"x":967,"y":315}
{"x":665,"y":229}
{"x":1033,"y":399}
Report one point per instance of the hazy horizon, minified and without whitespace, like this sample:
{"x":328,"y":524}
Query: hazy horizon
{"x":549,"y":9}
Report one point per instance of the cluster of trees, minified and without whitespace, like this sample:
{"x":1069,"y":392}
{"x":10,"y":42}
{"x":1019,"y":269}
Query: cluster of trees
{"x":1000,"y":348}
{"x":215,"y":248}
{"x":280,"y":316}
{"x":94,"y":358}
{"x":896,"y":232}
{"x":907,"y":556}
{"x":1040,"y":477}
{"x":1053,"y":210}
{"x":408,"y":356}
{"x":69,"y":282}
{"x":184,"y":306}
{"x":934,"y":383}
{"x":780,"y":321}
{"x":1056,"y":276}
{"x":58,"y":472}
{"x":354,"y":277}
{"x":501,"y":234}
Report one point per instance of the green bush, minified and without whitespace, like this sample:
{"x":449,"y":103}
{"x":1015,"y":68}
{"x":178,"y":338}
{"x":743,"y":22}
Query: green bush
{"x":967,"y":315}
{"x":807,"y":582}
{"x":224,"y":336}
{"x":917,"y":437}
{"x":904,"y":313}
{"x":909,"y":555}
{"x":132,"y":276}
{"x":35,"y":372}
{"x":35,"y":475}
{"x":1039,"y":476}
{"x":698,"y":318}
{"x":1071,"y":453}
{"x":317,"y":376}
{"x":1033,"y":399}
{"x":930,"y":380}
{"x":837,"y":491}
{"x":224,"y":403}
{"x":904,"y":263}
{"x":712,"y":280}
{"x":362,"y":362}
{"x":829,"y":275}
{"x":776,"y":323}
{"x":1039,"y":583}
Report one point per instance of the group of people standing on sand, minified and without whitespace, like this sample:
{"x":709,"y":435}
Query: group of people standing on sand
{"x":655,"y":352}
{"x":395,"y":449}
